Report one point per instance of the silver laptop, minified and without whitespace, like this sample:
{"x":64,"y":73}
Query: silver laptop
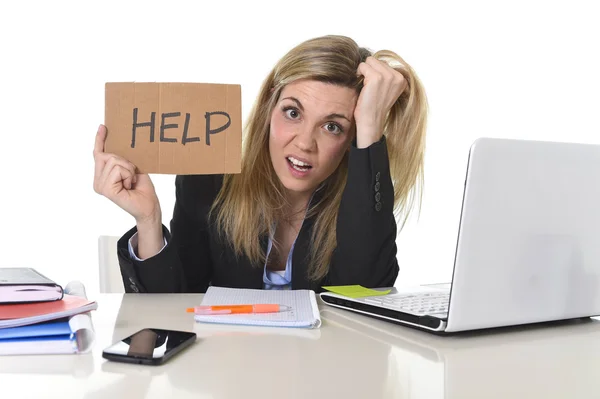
{"x":528,"y":247}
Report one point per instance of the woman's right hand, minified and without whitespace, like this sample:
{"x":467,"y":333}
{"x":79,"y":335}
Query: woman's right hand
{"x":116,"y":179}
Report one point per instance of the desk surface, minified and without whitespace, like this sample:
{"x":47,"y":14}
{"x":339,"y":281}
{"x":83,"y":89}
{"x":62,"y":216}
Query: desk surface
{"x":350,"y":356}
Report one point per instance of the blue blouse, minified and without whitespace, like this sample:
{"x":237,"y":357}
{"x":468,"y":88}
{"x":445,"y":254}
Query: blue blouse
{"x":278,"y":280}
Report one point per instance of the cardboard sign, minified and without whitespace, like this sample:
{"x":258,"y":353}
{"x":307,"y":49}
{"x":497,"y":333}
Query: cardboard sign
{"x":175,"y":128}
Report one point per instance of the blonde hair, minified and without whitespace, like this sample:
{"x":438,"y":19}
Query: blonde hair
{"x":250,"y":204}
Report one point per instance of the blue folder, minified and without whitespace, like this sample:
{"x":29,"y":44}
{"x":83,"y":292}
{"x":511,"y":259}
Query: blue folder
{"x":53,"y":337}
{"x":55,"y":328}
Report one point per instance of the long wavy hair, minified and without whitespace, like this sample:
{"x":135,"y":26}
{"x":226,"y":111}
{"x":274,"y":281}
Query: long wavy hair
{"x":250,"y":204}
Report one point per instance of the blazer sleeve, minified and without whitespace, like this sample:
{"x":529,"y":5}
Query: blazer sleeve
{"x":185,"y":264}
{"x":366,"y":227}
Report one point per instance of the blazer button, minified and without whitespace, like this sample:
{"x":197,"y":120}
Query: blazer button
{"x":133,"y":286}
{"x":377,"y":176}
{"x":378,"y":206}
{"x":377,"y":185}
{"x":378,"y":196}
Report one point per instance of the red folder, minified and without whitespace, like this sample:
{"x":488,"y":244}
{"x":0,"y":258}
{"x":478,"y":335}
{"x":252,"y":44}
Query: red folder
{"x":29,"y":313}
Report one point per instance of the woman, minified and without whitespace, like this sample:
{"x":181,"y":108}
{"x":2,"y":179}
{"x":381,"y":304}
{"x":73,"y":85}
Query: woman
{"x":333,"y":146}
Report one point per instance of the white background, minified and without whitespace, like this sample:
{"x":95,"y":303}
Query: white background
{"x":515,"y":69}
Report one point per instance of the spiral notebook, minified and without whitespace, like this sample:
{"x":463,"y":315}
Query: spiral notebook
{"x":304,"y":311}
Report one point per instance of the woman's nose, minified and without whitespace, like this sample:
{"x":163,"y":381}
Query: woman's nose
{"x":305,"y":139}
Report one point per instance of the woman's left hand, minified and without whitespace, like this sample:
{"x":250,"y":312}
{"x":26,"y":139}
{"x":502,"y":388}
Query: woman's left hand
{"x":382,"y":87}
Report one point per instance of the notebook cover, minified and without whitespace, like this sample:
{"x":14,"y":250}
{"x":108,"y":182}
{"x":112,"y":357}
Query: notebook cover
{"x":23,"y":276}
{"x":26,"y":276}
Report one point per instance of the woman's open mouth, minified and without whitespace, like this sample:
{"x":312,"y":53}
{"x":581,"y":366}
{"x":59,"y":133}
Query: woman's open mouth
{"x":299,"y":167}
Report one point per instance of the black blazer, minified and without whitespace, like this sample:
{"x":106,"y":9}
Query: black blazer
{"x":196,"y":257}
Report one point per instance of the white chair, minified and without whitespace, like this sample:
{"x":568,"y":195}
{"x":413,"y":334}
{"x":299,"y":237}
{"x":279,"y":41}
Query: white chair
{"x":110,"y":272}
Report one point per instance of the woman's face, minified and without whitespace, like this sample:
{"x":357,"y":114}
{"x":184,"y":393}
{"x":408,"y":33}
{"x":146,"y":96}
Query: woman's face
{"x":311,"y":129}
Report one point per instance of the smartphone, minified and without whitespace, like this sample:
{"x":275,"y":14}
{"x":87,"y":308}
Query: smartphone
{"x":151,"y":346}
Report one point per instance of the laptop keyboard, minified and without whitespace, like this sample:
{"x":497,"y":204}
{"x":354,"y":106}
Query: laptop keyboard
{"x":420,"y":304}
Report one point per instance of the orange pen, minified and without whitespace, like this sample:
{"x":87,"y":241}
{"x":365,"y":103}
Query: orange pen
{"x":233,"y":309}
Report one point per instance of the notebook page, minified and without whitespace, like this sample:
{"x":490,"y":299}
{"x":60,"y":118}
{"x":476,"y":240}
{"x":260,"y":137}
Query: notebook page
{"x":304,"y":312}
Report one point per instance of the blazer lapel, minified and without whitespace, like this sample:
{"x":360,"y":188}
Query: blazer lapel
{"x":301,"y":255}
{"x":257,"y":276}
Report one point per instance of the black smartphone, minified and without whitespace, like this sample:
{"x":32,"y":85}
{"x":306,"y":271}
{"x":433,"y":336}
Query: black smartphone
{"x":151,"y":346}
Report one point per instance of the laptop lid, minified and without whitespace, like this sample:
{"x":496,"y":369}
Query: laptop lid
{"x":529,"y":242}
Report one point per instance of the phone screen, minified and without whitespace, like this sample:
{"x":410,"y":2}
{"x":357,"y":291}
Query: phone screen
{"x":150,"y":345}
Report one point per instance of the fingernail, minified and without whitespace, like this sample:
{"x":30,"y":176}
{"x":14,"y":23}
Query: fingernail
{"x":99,"y":127}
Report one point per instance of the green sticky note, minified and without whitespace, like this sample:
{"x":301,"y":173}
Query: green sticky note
{"x":355,"y":291}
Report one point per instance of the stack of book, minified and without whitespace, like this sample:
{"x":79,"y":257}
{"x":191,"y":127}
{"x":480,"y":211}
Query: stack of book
{"x":38,"y":316}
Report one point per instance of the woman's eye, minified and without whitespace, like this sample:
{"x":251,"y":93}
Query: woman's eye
{"x":333,"y":128}
{"x":291,"y":113}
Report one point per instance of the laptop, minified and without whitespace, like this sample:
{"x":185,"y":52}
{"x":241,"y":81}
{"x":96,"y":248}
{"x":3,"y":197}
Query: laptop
{"x":528,"y":246}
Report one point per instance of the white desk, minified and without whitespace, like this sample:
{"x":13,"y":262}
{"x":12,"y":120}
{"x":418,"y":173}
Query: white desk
{"x":351,"y":356}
